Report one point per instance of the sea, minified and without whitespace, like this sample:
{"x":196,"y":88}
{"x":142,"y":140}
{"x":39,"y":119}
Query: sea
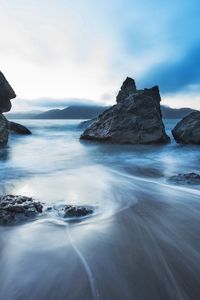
{"x":141,"y":243}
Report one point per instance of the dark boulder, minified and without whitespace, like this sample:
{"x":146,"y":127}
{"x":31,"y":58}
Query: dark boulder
{"x":135,"y":119}
{"x":76,"y":211}
{"x":188,"y":178}
{"x":187,"y":131}
{"x":18,"y":128}
{"x":18,"y":209}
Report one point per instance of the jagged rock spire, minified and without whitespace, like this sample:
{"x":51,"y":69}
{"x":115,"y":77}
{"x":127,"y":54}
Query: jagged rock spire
{"x":127,"y":88}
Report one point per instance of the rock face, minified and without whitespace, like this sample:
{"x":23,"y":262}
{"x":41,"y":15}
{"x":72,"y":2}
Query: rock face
{"x":135,"y":119}
{"x":17,"y":209}
{"x":188,"y":178}
{"x":18,"y":128}
{"x":187,"y":131}
{"x":3,"y":130}
{"x":6,"y":94}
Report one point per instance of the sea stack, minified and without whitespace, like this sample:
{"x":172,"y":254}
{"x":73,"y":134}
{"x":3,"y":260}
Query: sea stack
{"x":135,"y":119}
{"x":6,"y":94}
{"x":187,"y":131}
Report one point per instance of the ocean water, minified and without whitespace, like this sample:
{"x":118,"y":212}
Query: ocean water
{"x":142,"y":242}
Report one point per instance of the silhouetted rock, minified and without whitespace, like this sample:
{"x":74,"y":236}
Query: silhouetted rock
{"x":135,"y":119}
{"x":188,"y":178}
{"x":6,"y":94}
{"x":18,"y":128}
{"x":76,"y":211}
{"x":3,"y":130}
{"x":17,"y":209}
{"x":187,"y":131}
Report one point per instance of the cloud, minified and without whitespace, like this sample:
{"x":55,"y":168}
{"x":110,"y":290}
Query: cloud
{"x":85,"y":49}
{"x":175,"y":76}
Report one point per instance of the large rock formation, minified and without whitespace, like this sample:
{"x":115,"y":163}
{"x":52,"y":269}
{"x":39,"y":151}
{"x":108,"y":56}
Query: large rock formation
{"x":6,"y":94}
{"x":135,"y":119}
{"x":187,"y":131}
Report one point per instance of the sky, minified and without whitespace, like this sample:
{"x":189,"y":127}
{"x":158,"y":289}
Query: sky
{"x":56,"y":52}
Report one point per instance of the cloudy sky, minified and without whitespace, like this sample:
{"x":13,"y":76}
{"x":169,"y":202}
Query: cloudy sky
{"x":83,"y":49}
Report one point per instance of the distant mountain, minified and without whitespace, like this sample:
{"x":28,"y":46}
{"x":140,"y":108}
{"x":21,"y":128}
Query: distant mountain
{"x":89,"y":112}
{"x":175,"y":113}
{"x":23,"y":115}
{"x":72,"y":112}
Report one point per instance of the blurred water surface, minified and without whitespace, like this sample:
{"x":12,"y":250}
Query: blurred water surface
{"x":141,"y":243}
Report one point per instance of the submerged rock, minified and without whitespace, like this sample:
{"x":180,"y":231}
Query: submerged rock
{"x":135,"y":119}
{"x":16,"y":209}
{"x":187,"y":131}
{"x":76,"y":211}
{"x":18,"y":128}
{"x":188,"y":178}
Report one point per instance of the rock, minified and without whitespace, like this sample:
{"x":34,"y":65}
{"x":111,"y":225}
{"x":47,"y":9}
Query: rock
{"x":76,"y":211}
{"x":17,"y":209}
{"x":18,"y":128}
{"x":87,"y":123}
{"x":6,"y":94}
{"x":3,"y":130}
{"x":127,"y":88}
{"x":188,"y":178}
{"x":187,"y":131}
{"x":135,"y":119}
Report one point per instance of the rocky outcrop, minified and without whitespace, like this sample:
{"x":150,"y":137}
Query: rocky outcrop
{"x":188,"y":178}
{"x":135,"y":119}
{"x":187,"y":131}
{"x":6,"y":94}
{"x":18,"y":209}
{"x":18,"y":128}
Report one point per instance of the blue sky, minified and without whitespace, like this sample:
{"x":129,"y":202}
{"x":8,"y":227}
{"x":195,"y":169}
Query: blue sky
{"x":84,"y":49}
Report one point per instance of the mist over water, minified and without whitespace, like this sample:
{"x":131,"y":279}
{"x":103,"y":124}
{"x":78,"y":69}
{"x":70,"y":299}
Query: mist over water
{"x":141,"y":243}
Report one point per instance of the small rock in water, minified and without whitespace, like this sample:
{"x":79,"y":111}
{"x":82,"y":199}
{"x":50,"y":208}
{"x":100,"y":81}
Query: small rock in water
{"x":16,"y":209}
{"x":188,"y":178}
{"x":76,"y":211}
{"x":18,"y":128}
